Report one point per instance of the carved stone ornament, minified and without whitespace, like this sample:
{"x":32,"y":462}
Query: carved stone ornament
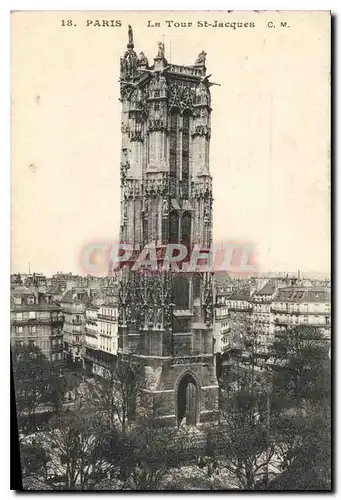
{"x":202,"y":131}
{"x":187,"y":360}
{"x":127,"y":91}
{"x":157,"y":185}
{"x":129,"y":62}
{"x":207,"y":209}
{"x":181,"y":95}
{"x":208,"y":302}
{"x":156,"y":125}
{"x":202,"y":188}
{"x":203,"y":96}
{"x":131,"y":189}
{"x":124,"y":168}
{"x":136,"y":135}
{"x":129,"y":65}
{"x":124,"y":128}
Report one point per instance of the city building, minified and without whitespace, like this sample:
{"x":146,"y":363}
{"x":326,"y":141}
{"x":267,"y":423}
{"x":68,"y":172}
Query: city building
{"x":296,"y":305}
{"x":37,"y":321}
{"x":108,"y":326}
{"x":222,"y":327}
{"x":73,"y":305}
{"x":261,"y":318}
{"x":240,"y":311}
{"x":165,"y":317}
{"x":36,"y":280}
{"x":101,"y":336}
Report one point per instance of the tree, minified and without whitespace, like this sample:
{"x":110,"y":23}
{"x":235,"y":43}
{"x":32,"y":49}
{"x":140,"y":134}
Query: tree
{"x":56,"y":388}
{"x":34,"y":461}
{"x":30,"y":367}
{"x":75,"y":445}
{"x":304,"y":367}
{"x":153,"y":451}
{"x":305,"y":451}
{"x":301,"y":396}
{"x":115,"y":395}
{"x":245,"y":443}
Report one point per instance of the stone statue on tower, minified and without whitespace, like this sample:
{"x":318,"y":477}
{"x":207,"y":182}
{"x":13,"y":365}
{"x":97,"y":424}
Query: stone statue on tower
{"x":130,"y":37}
{"x":161,"y":50}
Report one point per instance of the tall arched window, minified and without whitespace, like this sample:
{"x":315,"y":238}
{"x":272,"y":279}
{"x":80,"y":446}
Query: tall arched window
{"x":173,"y":140}
{"x":174,"y":227}
{"x":181,"y":290}
{"x":144,"y":228}
{"x":185,"y":154}
{"x":186,"y":229}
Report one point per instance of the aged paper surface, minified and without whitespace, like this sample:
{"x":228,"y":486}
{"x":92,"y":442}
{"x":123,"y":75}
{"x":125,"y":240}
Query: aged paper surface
{"x":100,"y":103}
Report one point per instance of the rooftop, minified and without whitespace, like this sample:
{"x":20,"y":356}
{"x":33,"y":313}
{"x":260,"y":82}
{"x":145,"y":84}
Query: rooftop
{"x":268,"y":289}
{"x":19,"y":291}
{"x":240,"y":294}
{"x":302,"y":294}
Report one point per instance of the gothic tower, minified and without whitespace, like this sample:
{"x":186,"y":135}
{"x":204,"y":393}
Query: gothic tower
{"x":165,"y":316}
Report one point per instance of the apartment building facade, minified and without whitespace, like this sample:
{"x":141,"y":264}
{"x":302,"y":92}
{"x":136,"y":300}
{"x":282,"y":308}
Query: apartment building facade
{"x":294,"y":306}
{"x":37,"y":321}
{"x":73,"y":305}
{"x":101,"y":336}
{"x":261,"y":324}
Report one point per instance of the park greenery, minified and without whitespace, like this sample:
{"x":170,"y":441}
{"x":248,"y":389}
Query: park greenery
{"x":271,"y":435}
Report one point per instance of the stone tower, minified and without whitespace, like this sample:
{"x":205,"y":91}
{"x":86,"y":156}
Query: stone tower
{"x":165,"y":316}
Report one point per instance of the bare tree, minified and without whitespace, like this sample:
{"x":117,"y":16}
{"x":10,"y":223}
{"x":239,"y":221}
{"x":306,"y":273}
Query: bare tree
{"x":30,"y":369}
{"x":115,"y":396}
{"x":245,"y":442}
{"x":77,"y":452}
{"x":154,"y":450}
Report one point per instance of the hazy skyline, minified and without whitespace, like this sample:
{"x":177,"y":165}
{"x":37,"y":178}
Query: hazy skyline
{"x":270,"y":132}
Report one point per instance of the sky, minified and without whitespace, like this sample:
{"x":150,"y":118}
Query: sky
{"x":269,"y":153}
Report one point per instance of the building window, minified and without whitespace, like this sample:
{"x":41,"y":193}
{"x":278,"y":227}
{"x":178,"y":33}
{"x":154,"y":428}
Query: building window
{"x":32,"y":314}
{"x":19,"y":329}
{"x":31,"y":343}
{"x":30,"y":300}
{"x":17,"y":301}
{"x":19,"y":316}
{"x":32,"y":329}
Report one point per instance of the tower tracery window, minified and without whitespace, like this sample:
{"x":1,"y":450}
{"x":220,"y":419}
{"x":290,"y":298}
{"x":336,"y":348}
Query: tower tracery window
{"x":173,"y":143}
